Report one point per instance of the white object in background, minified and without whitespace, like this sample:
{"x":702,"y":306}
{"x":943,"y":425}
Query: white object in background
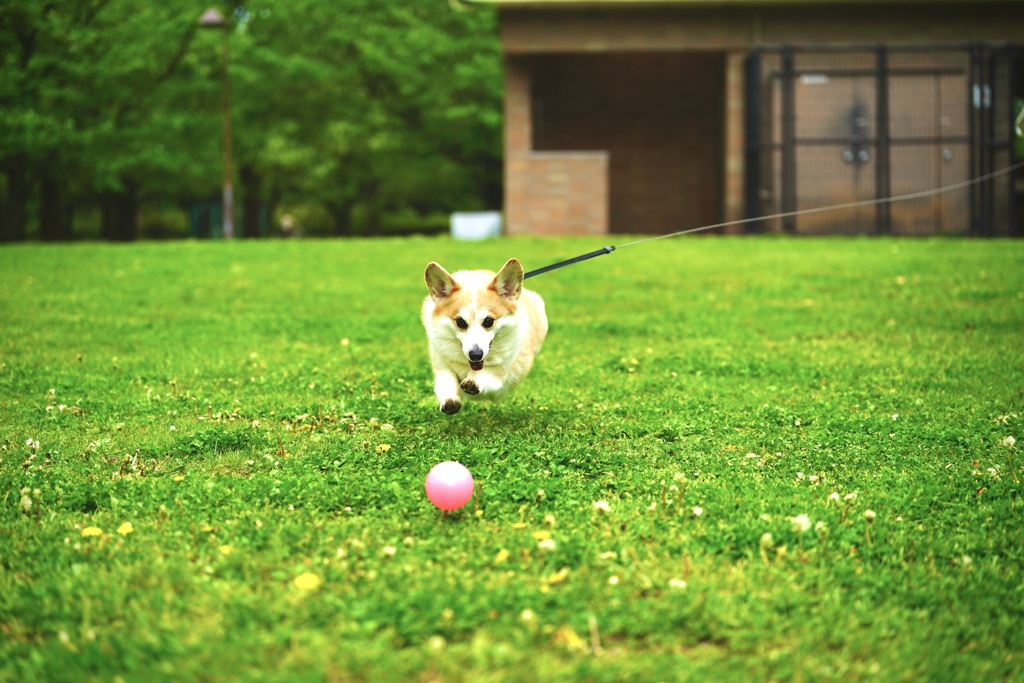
{"x":476,"y":225}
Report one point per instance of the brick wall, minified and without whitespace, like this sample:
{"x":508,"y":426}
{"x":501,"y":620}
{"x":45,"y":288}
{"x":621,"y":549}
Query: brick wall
{"x":556,"y":193}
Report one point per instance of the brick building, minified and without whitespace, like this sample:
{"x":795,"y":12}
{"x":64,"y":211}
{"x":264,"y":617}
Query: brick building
{"x":661,"y":115}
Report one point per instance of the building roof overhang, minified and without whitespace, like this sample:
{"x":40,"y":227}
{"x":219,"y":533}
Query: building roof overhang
{"x":561,"y":4}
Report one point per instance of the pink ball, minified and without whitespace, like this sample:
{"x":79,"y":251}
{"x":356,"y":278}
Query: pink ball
{"x":449,"y":485}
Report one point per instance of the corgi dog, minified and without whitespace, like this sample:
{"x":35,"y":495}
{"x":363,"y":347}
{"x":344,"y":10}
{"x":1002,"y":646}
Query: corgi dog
{"x":484,"y":330}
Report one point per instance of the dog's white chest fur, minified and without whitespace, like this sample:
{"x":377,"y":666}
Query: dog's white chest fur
{"x":484,"y":330}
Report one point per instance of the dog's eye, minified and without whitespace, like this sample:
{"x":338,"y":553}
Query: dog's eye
{"x":461,"y":323}
{"x":488,"y":322}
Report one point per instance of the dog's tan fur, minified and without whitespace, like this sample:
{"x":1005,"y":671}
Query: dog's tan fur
{"x":518,"y":325}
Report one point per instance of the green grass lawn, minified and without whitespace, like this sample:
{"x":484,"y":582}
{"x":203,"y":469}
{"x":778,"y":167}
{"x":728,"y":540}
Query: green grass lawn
{"x":213,"y":459}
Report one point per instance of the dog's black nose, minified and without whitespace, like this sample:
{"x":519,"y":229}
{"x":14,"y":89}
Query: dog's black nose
{"x":475,"y":354}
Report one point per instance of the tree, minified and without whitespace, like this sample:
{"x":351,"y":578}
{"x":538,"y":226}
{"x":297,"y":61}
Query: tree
{"x":376,"y":106}
{"x":361,"y":106}
{"x":80,"y":102}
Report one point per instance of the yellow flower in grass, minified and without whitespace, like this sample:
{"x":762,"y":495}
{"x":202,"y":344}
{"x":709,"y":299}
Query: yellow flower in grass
{"x":92,"y":531}
{"x":125,"y":529}
{"x":307,"y":581}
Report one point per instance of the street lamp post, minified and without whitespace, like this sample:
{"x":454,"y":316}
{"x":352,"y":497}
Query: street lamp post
{"x":212,"y":18}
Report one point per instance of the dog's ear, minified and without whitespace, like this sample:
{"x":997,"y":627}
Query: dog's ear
{"x":508,"y":283}
{"x":439,"y":283}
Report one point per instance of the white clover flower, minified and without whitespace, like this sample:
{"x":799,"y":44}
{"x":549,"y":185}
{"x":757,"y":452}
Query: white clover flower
{"x":766,"y":541}
{"x":1009,"y":441}
{"x":698,"y":511}
{"x":850,"y":497}
{"x":801,"y":523}
{"x":820,"y":527}
{"x":814,"y":479}
{"x":677,"y":583}
{"x":799,"y":476}
{"x":26,"y":503}
{"x":895,"y":417}
{"x":869,"y":515}
{"x":546,"y":544}
{"x":389,"y":550}
{"x":541,"y":495}
{"x":613,"y":580}
{"x":388,"y":426}
{"x":609,"y":555}
{"x":834,"y":496}
{"x":602,"y":506}
{"x":527,"y":615}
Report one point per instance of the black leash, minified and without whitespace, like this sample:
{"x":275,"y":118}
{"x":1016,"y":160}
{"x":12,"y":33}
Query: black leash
{"x":569,"y":262}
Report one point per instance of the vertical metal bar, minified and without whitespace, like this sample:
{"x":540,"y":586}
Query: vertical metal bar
{"x":973,"y":88}
{"x":788,"y":140}
{"x":752,"y":115}
{"x":1011,"y":79}
{"x":989,"y":148}
{"x":883,"y":170}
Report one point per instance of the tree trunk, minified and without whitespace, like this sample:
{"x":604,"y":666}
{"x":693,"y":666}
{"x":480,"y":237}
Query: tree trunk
{"x":275,"y":200}
{"x":54,"y":214}
{"x":14,"y":219}
{"x":251,"y":186}
{"x":341,"y":217}
{"x":371,"y":192}
{"x":120,"y":214}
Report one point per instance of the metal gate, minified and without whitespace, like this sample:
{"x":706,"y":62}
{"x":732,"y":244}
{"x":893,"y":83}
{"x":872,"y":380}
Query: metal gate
{"x":830,"y":126}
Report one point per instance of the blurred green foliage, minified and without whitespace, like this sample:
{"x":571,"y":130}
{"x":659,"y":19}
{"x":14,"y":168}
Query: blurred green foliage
{"x":353,"y":113}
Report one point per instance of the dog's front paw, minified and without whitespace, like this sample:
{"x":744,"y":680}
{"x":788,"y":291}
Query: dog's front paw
{"x":470,"y":387}
{"x":451,"y":406}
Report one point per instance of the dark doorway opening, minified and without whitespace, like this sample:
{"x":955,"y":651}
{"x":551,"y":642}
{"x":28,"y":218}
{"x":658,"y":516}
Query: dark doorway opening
{"x":660,"y":117}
